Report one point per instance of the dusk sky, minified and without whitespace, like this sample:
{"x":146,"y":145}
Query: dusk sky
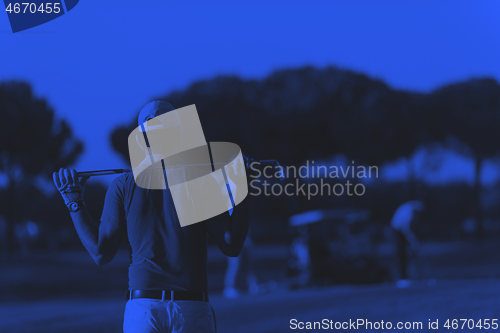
{"x":101,"y":62}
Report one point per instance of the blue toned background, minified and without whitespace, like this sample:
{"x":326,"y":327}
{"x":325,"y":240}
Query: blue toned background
{"x":275,"y":78}
{"x":99,"y":64}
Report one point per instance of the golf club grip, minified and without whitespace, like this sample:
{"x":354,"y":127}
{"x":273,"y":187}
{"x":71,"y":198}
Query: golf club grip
{"x":267,"y":162}
{"x":101,"y":172}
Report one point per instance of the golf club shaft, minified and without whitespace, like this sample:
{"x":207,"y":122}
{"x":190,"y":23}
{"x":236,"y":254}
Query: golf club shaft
{"x":107,"y":172}
{"x":101,"y":172}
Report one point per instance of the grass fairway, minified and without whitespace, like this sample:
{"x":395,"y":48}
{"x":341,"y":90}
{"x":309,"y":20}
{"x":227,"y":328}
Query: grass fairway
{"x":67,"y":292}
{"x":447,"y":299}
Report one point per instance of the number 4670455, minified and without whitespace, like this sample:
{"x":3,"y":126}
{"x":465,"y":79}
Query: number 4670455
{"x":471,"y":324}
{"x":26,"y":7}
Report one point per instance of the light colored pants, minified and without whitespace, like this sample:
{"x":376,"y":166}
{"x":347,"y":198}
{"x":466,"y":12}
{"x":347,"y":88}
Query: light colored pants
{"x":145,"y":315}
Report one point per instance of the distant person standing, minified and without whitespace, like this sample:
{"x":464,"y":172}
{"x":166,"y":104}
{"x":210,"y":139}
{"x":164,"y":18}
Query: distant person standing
{"x":300,"y":261}
{"x":405,"y":216}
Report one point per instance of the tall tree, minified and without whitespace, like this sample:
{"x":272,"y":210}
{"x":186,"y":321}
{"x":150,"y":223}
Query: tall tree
{"x":33,"y":143}
{"x":470,"y":111}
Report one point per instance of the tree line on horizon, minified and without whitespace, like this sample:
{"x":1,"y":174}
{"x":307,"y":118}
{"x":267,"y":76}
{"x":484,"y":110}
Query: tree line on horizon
{"x":292,"y":115}
{"x":308,"y":113}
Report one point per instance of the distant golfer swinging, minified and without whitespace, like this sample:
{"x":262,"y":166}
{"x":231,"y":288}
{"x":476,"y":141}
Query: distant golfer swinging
{"x":406,"y":215}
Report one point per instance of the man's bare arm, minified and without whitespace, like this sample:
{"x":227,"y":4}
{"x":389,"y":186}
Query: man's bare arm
{"x":412,"y":240}
{"x":230,"y":232}
{"x":101,"y":241}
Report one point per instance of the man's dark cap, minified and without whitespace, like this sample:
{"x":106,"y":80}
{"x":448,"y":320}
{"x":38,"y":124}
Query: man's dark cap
{"x":152,"y":110}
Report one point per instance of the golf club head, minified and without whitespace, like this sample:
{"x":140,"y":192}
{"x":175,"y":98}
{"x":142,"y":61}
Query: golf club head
{"x":275,"y":163}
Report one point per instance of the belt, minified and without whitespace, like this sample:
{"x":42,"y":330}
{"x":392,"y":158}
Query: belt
{"x":168,"y":295}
